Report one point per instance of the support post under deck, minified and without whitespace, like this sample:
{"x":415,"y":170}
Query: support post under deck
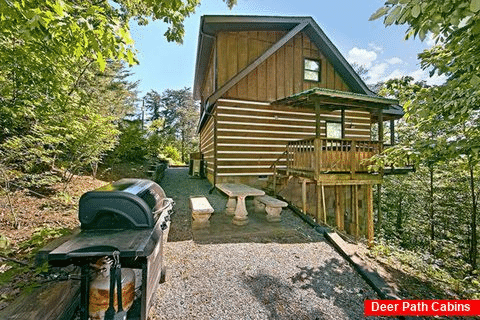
{"x":370,"y":215}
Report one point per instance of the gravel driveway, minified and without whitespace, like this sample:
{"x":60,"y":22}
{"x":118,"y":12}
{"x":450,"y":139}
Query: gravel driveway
{"x":304,"y":279}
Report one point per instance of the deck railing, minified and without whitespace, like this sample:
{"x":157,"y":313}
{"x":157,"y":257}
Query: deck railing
{"x":324,"y":155}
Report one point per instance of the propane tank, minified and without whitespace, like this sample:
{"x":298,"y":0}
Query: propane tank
{"x":99,"y":294}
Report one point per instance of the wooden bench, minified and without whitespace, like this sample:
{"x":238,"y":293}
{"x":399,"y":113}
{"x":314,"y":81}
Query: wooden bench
{"x":201,"y":212}
{"x":272,"y":206}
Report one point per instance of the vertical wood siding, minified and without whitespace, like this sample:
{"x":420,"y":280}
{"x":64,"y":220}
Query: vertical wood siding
{"x":281,"y":75}
{"x":252,"y":135}
{"x":208,"y":86}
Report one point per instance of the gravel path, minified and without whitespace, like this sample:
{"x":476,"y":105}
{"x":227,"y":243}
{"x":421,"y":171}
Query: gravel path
{"x":304,"y":279}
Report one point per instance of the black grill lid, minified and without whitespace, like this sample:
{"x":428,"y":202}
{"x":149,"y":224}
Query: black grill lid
{"x":124,"y":204}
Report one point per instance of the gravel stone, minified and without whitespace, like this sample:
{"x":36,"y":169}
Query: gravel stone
{"x":304,"y":279}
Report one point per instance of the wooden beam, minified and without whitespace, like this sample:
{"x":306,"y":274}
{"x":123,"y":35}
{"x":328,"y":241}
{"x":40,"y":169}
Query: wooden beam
{"x":317,"y":119}
{"x":304,"y":196}
{"x":52,"y":300}
{"x":324,"y":206}
{"x":342,"y":117}
{"x":334,"y":103}
{"x":318,"y":192}
{"x":338,"y":211}
{"x":380,"y":130}
{"x":392,"y":132}
{"x":370,"y":229}
{"x":239,"y":76}
{"x":356,"y":211}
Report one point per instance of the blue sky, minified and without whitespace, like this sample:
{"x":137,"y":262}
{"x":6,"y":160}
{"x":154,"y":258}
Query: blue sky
{"x":383,"y":51}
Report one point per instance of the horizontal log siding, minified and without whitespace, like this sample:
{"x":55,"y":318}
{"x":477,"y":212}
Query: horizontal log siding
{"x":281,"y":75}
{"x":207,"y":146}
{"x":252,"y":135}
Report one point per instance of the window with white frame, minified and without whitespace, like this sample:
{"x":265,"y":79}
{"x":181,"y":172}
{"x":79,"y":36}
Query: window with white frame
{"x":311,"y":70}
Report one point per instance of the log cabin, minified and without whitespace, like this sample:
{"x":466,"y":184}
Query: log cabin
{"x":282,"y":108}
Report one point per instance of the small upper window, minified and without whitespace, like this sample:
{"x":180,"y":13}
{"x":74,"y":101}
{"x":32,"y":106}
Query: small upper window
{"x":311,"y":70}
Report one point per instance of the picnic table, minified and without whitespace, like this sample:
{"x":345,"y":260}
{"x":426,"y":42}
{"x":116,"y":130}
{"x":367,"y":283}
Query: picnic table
{"x":236,"y":200}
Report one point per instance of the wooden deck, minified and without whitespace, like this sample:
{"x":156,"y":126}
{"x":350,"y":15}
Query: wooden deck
{"x":339,"y":167}
{"x":315,"y":157}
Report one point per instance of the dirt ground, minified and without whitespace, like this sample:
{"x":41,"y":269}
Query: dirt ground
{"x":58,"y":210}
{"x":40,"y":217}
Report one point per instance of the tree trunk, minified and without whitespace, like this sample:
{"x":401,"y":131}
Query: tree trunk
{"x":398,"y":225}
{"x":431,"y":209}
{"x":473,"y":238}
{"x":183,"y":146}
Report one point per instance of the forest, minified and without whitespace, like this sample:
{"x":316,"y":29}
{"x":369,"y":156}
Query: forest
{"x":434,"y":211}
{"x":67,"y":105}
{"x":67,"y":108}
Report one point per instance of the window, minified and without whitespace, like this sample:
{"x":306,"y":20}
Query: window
{"x":334,"y":130}
{"x":311,"y":70}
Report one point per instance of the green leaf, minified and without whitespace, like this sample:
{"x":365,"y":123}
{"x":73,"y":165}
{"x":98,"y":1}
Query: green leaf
{"x":475,"y":5}
{"x":389,"y":19}
{"x":416,"y":11}
{"x":101,"y":61}
{"x":58,"y":8}
{"x":475,"y":80}
{"x":379,"y":13}
{"x":422,"y":34}
{"x":130,"y":57}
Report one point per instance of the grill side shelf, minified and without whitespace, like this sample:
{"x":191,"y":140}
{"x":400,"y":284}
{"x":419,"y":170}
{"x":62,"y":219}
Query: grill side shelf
{"x":92,"y":243}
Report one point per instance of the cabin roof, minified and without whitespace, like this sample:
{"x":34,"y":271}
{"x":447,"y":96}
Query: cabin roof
{"x":336,"y":99}
{"x":305,"y":96}
{"x":210,"y":25}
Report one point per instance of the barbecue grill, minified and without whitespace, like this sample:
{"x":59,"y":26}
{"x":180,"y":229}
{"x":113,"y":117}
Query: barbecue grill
{"x":129,"y":218}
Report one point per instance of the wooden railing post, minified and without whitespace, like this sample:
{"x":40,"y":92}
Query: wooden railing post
{"x":317,"y":155}
{"x":289,"y":165}
{"x":274,"y":179}
{"x":353,"y":157}
{"x":317,"y":148}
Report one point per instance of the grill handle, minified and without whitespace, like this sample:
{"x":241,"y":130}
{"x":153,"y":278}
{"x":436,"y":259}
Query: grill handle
{"x":98,"y":251}
{"x":166,"y":212}
{"x":167,"y":202}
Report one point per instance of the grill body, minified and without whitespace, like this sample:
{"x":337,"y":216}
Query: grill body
{"x":131,"y":216}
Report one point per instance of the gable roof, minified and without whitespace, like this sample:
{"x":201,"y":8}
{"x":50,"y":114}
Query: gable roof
{"x":210,"y":25}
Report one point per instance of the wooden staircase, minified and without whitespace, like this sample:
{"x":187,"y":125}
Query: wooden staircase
{"x":277,"y":181}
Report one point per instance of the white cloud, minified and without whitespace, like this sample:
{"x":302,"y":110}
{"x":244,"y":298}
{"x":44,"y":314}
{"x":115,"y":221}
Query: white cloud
{"x":375,"y":47}
{"x":394,"y":60}
{"x":420,"y":75}
{"x":417,"y":75}
{"x":395,"y":74}
{"x":362,"y":57}
{"x":437,"y":80}
{"x":376,"y":73}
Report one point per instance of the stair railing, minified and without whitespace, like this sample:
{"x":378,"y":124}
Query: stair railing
{"x":274,"y":166}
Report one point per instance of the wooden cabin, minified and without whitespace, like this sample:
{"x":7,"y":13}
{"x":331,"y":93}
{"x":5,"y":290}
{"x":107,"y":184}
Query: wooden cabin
{"x":282,"y":108}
